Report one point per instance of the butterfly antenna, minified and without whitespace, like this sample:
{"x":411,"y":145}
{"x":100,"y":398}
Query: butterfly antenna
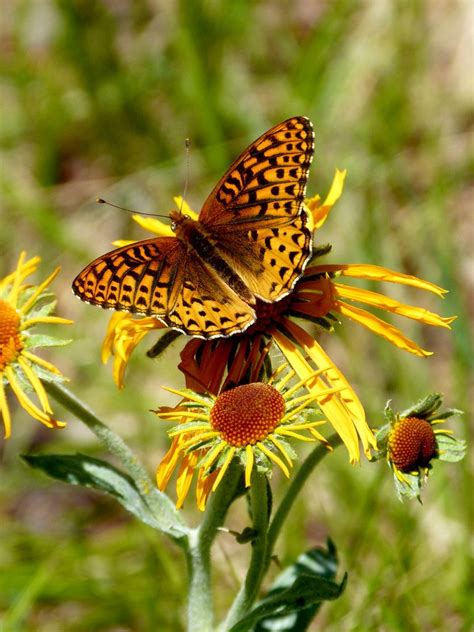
{"x":187,"y":145}
{"x":122,"y":208}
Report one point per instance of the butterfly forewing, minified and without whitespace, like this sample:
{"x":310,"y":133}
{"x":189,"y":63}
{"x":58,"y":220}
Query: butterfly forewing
{"x":143,"y":277}
{"x":267,"y":183}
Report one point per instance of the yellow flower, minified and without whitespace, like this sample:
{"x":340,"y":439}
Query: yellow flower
{"x":318,"y":297}
{"x":252,"y":423}
{"x":410,"y":441}
{"x":21,"y":308}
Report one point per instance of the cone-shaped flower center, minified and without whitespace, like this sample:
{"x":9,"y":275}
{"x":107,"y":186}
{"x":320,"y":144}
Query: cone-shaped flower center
{"x":412,"y":444}
{"x":247,"y":414}
{"x":10,"y":339}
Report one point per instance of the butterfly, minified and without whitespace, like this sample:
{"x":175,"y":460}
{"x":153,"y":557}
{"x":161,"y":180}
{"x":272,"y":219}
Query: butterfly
{"x":250,"y":242}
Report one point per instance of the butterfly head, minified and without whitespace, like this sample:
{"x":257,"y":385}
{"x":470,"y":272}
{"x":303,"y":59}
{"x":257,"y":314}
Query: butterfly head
{"x":179,"y":221}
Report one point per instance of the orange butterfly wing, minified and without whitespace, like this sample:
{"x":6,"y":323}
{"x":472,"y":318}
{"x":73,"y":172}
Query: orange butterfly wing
{"x":144,"y":277}
{"x":266,"y":184}
{"x":255,"y":212}
{"x":157,"y":277}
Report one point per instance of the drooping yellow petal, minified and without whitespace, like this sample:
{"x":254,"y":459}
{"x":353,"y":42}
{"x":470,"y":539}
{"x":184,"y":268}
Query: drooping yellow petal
{"x":381,"y":328}
{"x":168,"y":463}
{"x":334,"y":408}
{"x":108,"y":342}
{"x":36,"y":384}
{"x":249,"y":464}
{"x":25,"y":401}
{"x":276,"y":459}
{"x":392,"y":305}
{"x":279,"y":446}
{"x":213,"y":454}
{"x":4,"y":410}
{"x":320,"y":211}
{"x":43,"y":363}
{"x":224,"y":467}
{"x":376,"y":273}
{"x":287,"y":432}
{"x":184,"y":479}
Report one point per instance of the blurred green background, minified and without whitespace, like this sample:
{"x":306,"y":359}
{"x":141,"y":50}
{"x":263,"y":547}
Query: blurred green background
{"x":97,"y":98}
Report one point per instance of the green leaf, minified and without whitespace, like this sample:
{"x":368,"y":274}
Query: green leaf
{"x":41,"y":340}
{"x":79,"y":469}
{"x":450,"y":449}
{"x":297,"y":594}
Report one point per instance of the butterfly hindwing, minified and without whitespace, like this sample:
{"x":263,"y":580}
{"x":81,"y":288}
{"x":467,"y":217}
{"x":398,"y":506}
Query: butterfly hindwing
{"x":267,"y":183}
{"x":269,"y":260}
{"x":206,"y":306}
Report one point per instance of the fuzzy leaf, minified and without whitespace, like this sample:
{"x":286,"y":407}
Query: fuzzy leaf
{"x":41,"y":340}
{"x":296,"y":594}
{"x":450,"y":449}
{"x":79,"y":469}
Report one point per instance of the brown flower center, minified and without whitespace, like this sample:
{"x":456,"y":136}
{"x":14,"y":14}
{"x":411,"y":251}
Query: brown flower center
{"x":248,"y":413}
{"x":10,"y":338}
{"x":412,"y":444}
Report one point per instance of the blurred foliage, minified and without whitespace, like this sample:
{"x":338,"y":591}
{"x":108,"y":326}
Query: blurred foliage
{"x":97,"y":97}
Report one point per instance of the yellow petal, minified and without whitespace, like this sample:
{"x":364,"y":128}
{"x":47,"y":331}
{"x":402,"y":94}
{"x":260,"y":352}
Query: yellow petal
{"x":279,"y":446}
{"x":25,"y":401}
{"x":168,"y":463}
{"x":44,"y":363}
{"x":17,"y":279}
{"x":47,"y":320}
{"x":212,"y":455}
{"x":184,"y":479}
{"x":391,"y":305}
{"x":36,"y":384}
{"x":376,"y":273}
{"x":381,"y":328}
{"x":4,"y":410}
{"x":273,"y":457}
{"x":119,"y":243}
{"x":29,"y":303}
{"x":154,"y":225}
{"x":249,"y":464}
{"x":183,"y":207}
{"x":224,"y":468}
{"x":24,"y":271}
{"x":343,"y":410}
{"x":319,"y":211}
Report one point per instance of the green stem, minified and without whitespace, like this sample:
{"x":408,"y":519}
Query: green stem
{"x":158,"y":503}
{"x":250,"y":589}
{"x":200,"y":608}
{"x":297,"y":482}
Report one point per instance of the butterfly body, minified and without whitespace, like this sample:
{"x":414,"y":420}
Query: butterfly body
{"x":250,"y":241}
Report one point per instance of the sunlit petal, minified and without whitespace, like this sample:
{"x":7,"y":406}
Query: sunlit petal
{"x":381,"y":328}
{"x":391,"y":305}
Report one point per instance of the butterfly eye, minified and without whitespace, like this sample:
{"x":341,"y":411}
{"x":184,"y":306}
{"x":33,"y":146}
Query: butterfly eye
{"x":173,"y":226}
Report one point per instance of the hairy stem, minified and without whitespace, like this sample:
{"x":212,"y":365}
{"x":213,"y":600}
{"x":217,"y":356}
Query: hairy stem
{"x":251,"y":586}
